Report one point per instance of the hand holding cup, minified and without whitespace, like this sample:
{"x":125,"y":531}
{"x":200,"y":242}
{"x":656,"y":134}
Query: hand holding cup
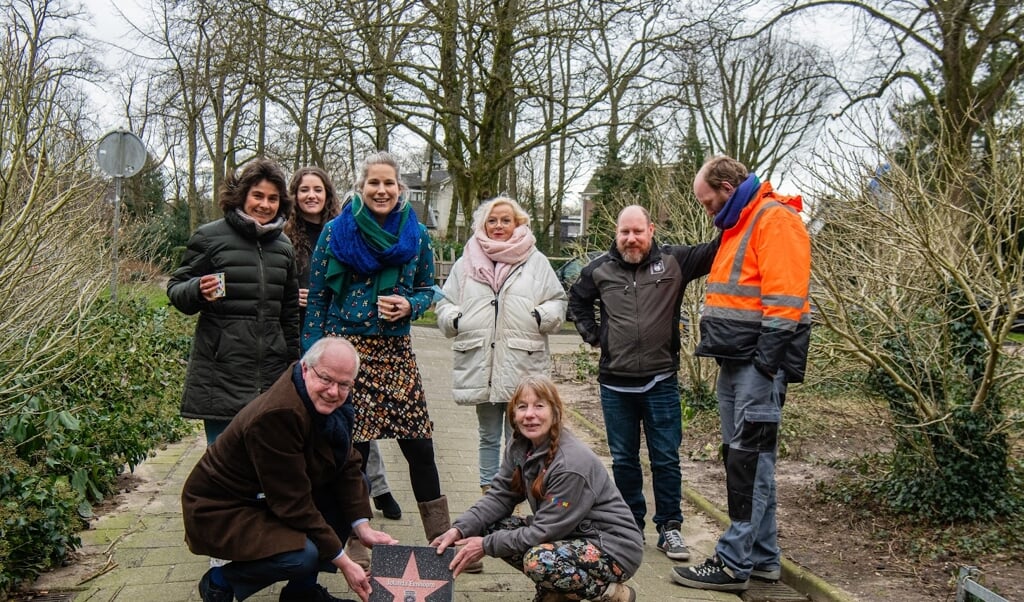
{"x":212,"y":286}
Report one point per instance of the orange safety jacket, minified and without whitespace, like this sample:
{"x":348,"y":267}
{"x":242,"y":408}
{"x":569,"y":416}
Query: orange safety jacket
{"x":757,"y":306}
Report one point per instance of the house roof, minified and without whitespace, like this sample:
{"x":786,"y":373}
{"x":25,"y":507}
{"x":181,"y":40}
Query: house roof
{"x":414,"y":180}
{"x":426,"y":217}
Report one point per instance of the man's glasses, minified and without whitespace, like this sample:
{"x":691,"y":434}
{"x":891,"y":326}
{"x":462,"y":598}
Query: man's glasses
{"x":328,"y":382}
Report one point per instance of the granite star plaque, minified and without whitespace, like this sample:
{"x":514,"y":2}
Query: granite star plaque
{"x":411,"y":574}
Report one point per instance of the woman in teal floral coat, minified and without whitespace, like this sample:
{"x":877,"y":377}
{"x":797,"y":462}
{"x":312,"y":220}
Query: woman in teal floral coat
{"x":372,"y":273}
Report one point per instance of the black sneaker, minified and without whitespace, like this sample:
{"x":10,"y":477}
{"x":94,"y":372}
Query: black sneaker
{"x":388,"y":505}
{"x":317,"y":593}
{"x":713,"y":574}
{"x":670,"y":541}
{"x":211,"y":592}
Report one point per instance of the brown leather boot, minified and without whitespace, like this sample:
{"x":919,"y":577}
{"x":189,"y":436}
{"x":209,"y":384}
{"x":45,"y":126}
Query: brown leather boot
{"x":436,"y":521}
{"x":359,"y":553}
{"x":618,"y":592}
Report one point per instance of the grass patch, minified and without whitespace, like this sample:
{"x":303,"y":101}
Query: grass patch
{"x":154,"y":294}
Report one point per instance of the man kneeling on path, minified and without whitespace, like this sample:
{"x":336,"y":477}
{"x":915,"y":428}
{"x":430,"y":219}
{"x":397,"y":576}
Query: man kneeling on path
{"x":280,"y":491}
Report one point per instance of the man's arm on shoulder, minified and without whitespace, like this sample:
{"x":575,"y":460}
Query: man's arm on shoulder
{"x":696,"y":260}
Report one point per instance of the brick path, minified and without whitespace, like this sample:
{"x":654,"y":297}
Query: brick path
{"x":137,"y":553}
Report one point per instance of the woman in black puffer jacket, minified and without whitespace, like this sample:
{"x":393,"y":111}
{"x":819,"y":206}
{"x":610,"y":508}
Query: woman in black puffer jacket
{"x":248,"y":332}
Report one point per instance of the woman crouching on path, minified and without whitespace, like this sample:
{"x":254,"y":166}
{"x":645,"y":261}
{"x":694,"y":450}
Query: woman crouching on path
{"x":581,"y":542}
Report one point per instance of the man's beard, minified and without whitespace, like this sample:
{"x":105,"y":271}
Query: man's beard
{"x":632,"y":255}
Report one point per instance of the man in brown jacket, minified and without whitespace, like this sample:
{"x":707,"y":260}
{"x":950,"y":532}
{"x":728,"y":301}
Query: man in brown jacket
{"x":279,"y":492}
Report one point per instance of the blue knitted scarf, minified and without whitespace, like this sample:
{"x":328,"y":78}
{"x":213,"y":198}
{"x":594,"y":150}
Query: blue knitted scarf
{"x":361,"y":245}
{"x":730,"y":214}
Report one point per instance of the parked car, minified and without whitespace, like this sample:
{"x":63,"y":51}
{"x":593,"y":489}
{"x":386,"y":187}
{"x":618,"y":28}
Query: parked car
{"x":569,"y":272}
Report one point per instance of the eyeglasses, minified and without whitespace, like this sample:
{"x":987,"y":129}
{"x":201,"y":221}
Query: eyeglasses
{"x":328,"y":382}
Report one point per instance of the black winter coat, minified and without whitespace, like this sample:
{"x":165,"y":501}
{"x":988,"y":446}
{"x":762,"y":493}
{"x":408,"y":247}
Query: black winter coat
{"x":246,"y":339}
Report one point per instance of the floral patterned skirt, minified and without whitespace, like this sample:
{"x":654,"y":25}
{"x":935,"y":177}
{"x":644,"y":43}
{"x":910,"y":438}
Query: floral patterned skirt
{"x":388,"y":394}
{"x":574,"y":568}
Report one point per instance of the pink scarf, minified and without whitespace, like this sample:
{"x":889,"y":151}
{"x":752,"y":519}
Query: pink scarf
{"x":490,"y":261}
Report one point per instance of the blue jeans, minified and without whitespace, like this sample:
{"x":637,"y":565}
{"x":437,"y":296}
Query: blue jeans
{"x":493,"y":423}
{"x":213,"y":429}
{"x":750,"y":408}
{"x":299,"y":568}
{"x":658,"y":410}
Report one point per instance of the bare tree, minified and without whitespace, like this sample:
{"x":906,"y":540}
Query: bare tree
{"x":760,"y":99}
{"x":976,"y":48}
{"x":50,"y":204}
{"x":209,"y":97}
{"x":921,"y":288}
{"x":470,"y":68}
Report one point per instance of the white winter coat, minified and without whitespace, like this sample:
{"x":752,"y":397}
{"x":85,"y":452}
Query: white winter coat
{"x":498,"y":339}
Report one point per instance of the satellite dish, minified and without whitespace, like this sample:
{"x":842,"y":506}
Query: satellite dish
{"x":121,"y":154}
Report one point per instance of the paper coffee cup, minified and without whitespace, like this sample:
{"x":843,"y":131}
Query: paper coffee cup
{"x":221,"y":290}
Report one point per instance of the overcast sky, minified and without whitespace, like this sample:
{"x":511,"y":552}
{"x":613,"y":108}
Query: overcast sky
{"x":109,"y":26}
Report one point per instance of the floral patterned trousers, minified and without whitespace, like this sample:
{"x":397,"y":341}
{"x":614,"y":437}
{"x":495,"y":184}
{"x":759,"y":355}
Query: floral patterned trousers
{"x":574,"y":568}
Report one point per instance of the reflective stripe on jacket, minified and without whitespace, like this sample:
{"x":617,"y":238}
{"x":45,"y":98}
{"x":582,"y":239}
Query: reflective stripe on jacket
{"x":757,"y":305}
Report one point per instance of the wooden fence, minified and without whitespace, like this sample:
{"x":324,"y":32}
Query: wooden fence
{"x":443,"y":265}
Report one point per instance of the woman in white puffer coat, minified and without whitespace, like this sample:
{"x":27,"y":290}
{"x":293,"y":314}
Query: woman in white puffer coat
{"x":501,"y":300}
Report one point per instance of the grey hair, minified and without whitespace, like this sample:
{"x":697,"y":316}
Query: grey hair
{"x":481,"y":213}
{"x":312,"y":357}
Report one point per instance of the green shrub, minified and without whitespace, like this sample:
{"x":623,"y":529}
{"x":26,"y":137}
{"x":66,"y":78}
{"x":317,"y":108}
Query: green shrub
{"x":584,"y":364}
{"x":66,"y":442}
{"x":699,"y":396}
{"x":38,"y":520}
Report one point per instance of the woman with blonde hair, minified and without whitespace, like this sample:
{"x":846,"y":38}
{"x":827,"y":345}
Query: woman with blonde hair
{"x":501,"y":301}
{"x":581,"y":539}
{"x":372,"y":273}
{"x":316,"y":203}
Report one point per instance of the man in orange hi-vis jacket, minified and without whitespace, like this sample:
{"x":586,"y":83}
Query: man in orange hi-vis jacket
{"x":756,"y":324}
